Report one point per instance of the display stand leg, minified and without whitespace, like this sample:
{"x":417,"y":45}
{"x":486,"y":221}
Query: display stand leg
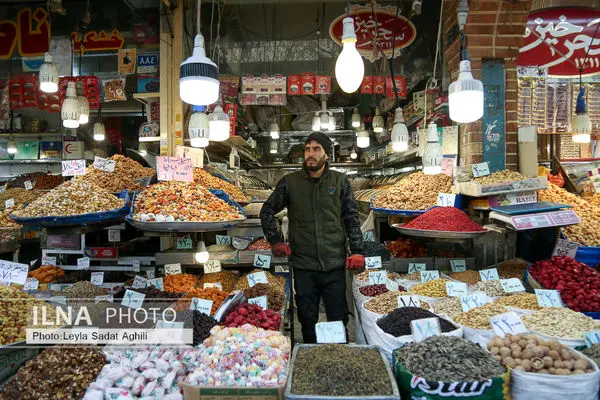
{"x":291,"y":310}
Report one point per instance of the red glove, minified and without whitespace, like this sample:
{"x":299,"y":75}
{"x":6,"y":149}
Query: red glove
{"x":281,"y":250}
{"x":355,"y":261}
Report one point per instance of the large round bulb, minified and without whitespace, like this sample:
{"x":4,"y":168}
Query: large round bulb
{"x":349,"y":67}
{"x":199,"y":77}
{"x":465,"y":96}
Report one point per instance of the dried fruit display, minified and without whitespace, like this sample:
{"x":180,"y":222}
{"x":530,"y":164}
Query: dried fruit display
{"x":432,"y":288}
{"x":174,"y":201}
{"x":213,"y":294}
{"x":594,"y":200}
{"x":47,"y":273}
{"x":275,"y":299}
{"x":415,"y":192}
{"x":491,"y":288}
{"x":593,"y":352}
{"x":397,"y":323}
{"x":21,"y":196}
{"x":444,"y":219}
{"x":6,"y":221}
{"x":364,"y":276}
{"x":524,"y":301}
{"x":227,"y":279}
{"x":74,"y":197}
{"x":278,"y":282}
{"x":376,"y":290}
{"x":469,"y":276}
{"x":47,"y":181}
{"x":406,"y":248}
{"x":179,"y":283}
{"x":500,"y":177}
{"x":126,"y":176}
{"x":254,"y":315}
{"x":387,"y":302}
{"x":210,"y":182}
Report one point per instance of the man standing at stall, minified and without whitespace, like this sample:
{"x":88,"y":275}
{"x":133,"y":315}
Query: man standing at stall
{"x":322,"y":219}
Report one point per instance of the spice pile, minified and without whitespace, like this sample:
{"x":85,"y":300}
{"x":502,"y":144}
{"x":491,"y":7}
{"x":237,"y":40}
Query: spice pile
{"x":275,"y":298}
{"x":500,"y":177}
{"x":152,"y":294}
{"x":179,"y":283}
{"x":479,"y":317}
{"x":210,"y":182}
{"x":415,"y":192}
{"x":254,"y":315}
{"x":227,"y":280}
{"x":74,"y":197}
{"x":126,"y":175}
{"x":469,"y":276}
{"x":444,"y":219}
{"x":560,"y":323}
{"x":213,"y":294}
{"x":339,"y":371}
{"x":175,"y":201}
{"x":406,"y":248}
{"x":397,"y":323}
{"x":388,"y":302}
{"x":83,"y":290}
{"x":47,"y":273}
{"x":462,"y":360}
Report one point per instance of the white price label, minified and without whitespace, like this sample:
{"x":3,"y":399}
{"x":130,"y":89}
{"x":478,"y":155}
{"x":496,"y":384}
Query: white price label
{"x":474,"y":300}
{"x":416,"y":267}
{"x":378,"y":277}
{"x":136,"y":266}
{"x":104,"y":164}
{"x":114,"y":235}
{"x":565,"y":248}
{"x":32,"y":263}
{"x":262,"y":261}
{"x":59,"y":287}
{"x":212,"y":266}
{"x":330,"y":332}
{"x":548,"y":298}
{"x":31,"y":284}
{"x":133,"y":299}
{"x":490,"y":274}
{"x":150,"y":274}
{"x":591,"y":338}
{"x":446,"y":200}
{"x":373,"y":263}
{"x":481,"y":169}
{"x":427,"y":276}
{"x":97,"y":278}
{"x":260,"y":301}
{"x":73,"y":167}
{"x":184,"y":243}
{"x":48,"y":260}
{"x":172,"y":269}
{"x":106,"y":297}
{"x":257,"y":277}
{"x":83,"y":263}
{"x":11,"y":272}
{"x":508,"y":322}
{"x":458,"y":265}
{"x":201,"y":305}
{"x":391,"y":285}
{"x":28,"y":185}
{"x":423,"y":328}
{"x":512,"y":285}
{"x":217,"y":285}
{"x":223,"y":239}
{"x":409,"y":301}
{"x":10,"y":203}
{"x":157,"y":283}
{"x":139,"y":282}
{"x":456,"y":289}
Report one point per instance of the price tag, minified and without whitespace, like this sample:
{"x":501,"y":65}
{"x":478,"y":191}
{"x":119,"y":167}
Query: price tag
{"x":172,"y":269}
{"x":565,"y":248}
{"x":458,"y":265}
{"x":456,"y":289}
{"x":512,"y":285}
{"x":184,"y":243}
{"x":136,"y":266}
{"x":31,"y":284}
{"x":97,"y":278}
{"x":104,"y":164}
{"x":28,"y":185}
{"x":416,"y":267}
{"x":59,"y":287}
{"x":548,"y":298}
{"x":150,"y":274}
{"x":139,"y":282}
{"x":83,"y":263}
{"x":427,"y":276}
{"x":73,"y":167}
{"x":32,"y":263}
{"x":212,"y":266}
{"x":262,"y":261}
{"x":174,"y":169}
{"x":133,"y":299}
{"x":481,"y":169}
{"x":373,"y":263}
{"x":11,"y":272}
{"x":330,"y":332}
{"x":377,"y":277}
{"x":106,"y":297}
{"x":217,"y":285}
{"x":259,"y":301}
{"x":489,"y":274}
{"x":58,"y":300}
{"x":423,"y":328}
{"x":157,"y":283}
{"x":471,"y":301}
{"x":391,"y":285}
{"x":223,"y":239}
{"x":48,"y":260}
{"x":591,"y":338}
{"x":114,"y":235}
{"x":201,"y":305}
{"x":446,"y":200}
{"x":409,"y":301}
{"x":10,"y":203}
{"x":257,"y":277}
{"x":508,"y":322}
{"x":2,"y":189}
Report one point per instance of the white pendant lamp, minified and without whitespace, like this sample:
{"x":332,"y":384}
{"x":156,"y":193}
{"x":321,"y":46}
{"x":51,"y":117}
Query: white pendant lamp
{"x":218,"y":123}
{"x":378,"y":122}
{"x":349,"y":67}
{"x":316,"y":122}
{"x":324,"y":116}
{"x":99,"y":131}
{"x":198,"y":75}
{"x":11,"y":145}
{"x":353,"y":154}
{"x":331,"y":121}
{"x":356,"y":119}
{"x":84,"y":104}
{"x":201,"y":254}
{"x":198,"y":128}
{"x":399,"y":132}
{"x":69,"y":112}
{"x":362,"y":138}
{"x":48,"y":75}
{"x":273,"y":146}
{"x":582,"y":124}
{"x":274,"y":130}
{"x":432,"y":156}
{"x":465,"y":96}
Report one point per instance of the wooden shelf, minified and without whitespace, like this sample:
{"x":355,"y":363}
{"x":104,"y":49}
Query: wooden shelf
{"x":145,"y":98}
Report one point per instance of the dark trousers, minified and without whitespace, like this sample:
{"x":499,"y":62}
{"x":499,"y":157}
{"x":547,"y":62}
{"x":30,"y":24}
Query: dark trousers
{"x":310,"y":287}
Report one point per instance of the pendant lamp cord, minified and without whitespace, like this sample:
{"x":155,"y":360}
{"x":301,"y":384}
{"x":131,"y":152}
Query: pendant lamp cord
{"x":587,"y":53}
{"x":348,"y":8}
{"x":391,"y":59}
{"x":198,"y":15}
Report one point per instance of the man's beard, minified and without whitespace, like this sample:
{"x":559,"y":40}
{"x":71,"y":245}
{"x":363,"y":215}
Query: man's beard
{"x":319,"y":164}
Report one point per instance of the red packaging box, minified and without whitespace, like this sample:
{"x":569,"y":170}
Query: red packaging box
{"x":308,"y":84}
{"x":400,"y":86}
{"x":101,"y":252}
{"x":366,"y":86}
{"x":323,"y":84}
{"x":294,"y":82}
{"x":379,"y":85}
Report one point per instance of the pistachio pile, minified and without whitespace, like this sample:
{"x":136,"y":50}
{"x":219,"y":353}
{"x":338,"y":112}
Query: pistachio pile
{"x":492,"y":288}
{"x":433,"y":288}
{"x":500,"y":177}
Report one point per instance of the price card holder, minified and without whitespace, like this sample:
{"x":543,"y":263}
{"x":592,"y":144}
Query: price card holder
{"x":591,"y":338}
{"x":108,"y":297}
{"x":83,"y":263}
{"x":201,"y":305}
{"x":458,"y":265}
{"x":512,"y":285}
{"x":262,"y":261}
{"x":139,"y":282}
{"x":377,"y":277}
{"x":212,"y":266}
{"x":508,"y":322}
{"x":565,"y":248}
{"x":257,"y":277}
{"x":184,"y":243}
{"x":260,"y":301}
{"x":446,"y":200}
{"x":456,"y":289}
{"x":11,"y":272}
{"x":114,"y":235}
{"x":31,"y":284}
{"x":223,"y":239}
{"x":172,"y":269}
{"x":28,"y":185}
{"x":150,"y":274}
{"x":427,"y":276}
{"x":548,"y":298}
{"x":136,"y":266}
{"x":157,"y":283}
{"x":217,"y":285}
{"x":423,"y":328}
{"x":490,"y":274}
{"x":97,"y":278}
{"x":48,"y":260}
{"x":373,"y":263}
{"x":416,"y":267}
{"x":481,"y":169}
{"x":104,"y":164}
{"x":409,"y":301}
{"x":471,"y":301}
{"x":10,"y":203}
{"x":133,"y":299}
{"x":331,"y":332}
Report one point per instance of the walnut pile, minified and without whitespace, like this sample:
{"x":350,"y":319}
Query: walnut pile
{"x":125,"y":177}
{"x":415,"y":192}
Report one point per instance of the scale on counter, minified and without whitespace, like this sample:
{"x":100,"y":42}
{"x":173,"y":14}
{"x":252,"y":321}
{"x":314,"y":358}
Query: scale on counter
{"x":523,"y":217}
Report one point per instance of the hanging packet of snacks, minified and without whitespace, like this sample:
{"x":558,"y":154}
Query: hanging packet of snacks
{"x":114,"y":89}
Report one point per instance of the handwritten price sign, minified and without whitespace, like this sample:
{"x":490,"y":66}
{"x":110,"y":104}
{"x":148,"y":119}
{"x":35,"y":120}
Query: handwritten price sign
{"x":416,"y":267}
{"x":11,"y":272}
{"x":31,"y":284}
{"x":201,"y":305}
{"x":456,"y":289}
{"x":262,"y":261}
{"x":424,"y":328}
{"x":157,"y":283}
{"x":427,"y":276}
{"x":330,"y":332}
{"x":139,"y":282}
{"x":97,"y":278}
{"x":591,"y":338}
{"x":377,"y":277}
{"x":565,"y":248}
{"x":223,"y":239}
{"x":458,"y":265}
{"x":471,"y":301}
{"x":548,"y":298}
{"x":260,"y":301}
{"x":489,"y":274}
{"x":512,"y":285}
{"x":257,"y":277}
{"x":174,"y":169}
{"x":481,"y":169}
{"x":409,"y":301}
{"x":133,"y":299}
{"x":373,"y":262}
{"x":172,"y":269}
{"x":184,"y":243}
{"x":212,"y":266}
{"x":104,"y":164}
{"x":446,"y":200}
{"x":73,"y":167}
{"x":28,"y":185}
{"x":507,"y":323}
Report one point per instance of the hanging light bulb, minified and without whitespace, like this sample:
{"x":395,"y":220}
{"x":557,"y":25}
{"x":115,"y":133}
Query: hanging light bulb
{"x":99,"y":131}
{"x":69,"y":112}
{"x":465,"y":96}
{"x":353,"y":154}
{"x":378,"y":123}
{"x":432,"y":156}
{"x":48,"y":75}
{"x":399,"y":132}
{"x":273,"y":146}
{"x":331,"y":121}
{"x":362,"y":137}
{"x":582,"y":124}
{"x":198,"y":75}
{"x":201,"y":254}
{"x":218,"y":125}
{"x":84,"y":104}
{"x":274,"y":130}
{"x":324,"y":116}
{"x":316,"y":122}
{"x":198,"y":127}
{"x":143,"y":149}
{"x":349,"y":67}
{"x":11,"y":146}
{"x":355,"y":119}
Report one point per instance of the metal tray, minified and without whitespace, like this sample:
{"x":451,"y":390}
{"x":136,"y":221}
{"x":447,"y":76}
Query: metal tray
{"x":437,"y":234}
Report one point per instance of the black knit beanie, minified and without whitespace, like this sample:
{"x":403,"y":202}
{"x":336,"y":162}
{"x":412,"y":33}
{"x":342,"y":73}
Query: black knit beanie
{"x":322,"y":139}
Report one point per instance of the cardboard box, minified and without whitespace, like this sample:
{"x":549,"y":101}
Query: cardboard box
{"x":366,"y":86}
{"x":308,"y":84}
{"x":229,"y":393}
